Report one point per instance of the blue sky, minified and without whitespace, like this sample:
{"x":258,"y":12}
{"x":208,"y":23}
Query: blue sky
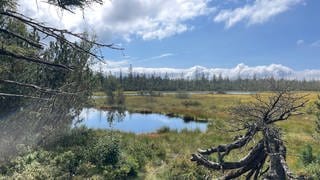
{"x":210,"y":44}
{"x":210,"y":33}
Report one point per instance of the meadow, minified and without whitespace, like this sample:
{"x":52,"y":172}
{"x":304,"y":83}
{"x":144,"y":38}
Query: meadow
{"x":165,"y":154}
{"x":298,"y":131}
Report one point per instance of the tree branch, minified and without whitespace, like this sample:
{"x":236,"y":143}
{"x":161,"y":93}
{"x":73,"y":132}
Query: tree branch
{"x":246,"y":161}
{"x":46,"y":90}
{"x":58,"y":34}
{"x":23,"y":96}
{"x":29,"y":41}
{"x":5,"y":52}
{"x":228,"y":147}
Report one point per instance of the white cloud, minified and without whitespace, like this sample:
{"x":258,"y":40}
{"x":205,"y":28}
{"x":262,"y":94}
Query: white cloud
{"x":257,"y":12}
{"x":146,"y":19}
{"x":300,"y":42}
{"x":162,"y":56}
{"x":316,"y":44}
{"x":277,"y":71}
{"x":108,"y":64}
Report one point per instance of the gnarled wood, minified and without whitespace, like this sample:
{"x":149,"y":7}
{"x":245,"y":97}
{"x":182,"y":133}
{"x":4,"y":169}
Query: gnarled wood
{"x":257,"y":117}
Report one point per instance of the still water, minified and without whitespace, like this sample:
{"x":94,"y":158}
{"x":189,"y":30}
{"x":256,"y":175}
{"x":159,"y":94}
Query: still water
{"x":133,"y":122}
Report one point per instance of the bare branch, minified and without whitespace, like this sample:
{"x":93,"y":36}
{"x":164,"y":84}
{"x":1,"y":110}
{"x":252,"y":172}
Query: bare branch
{"x":235,"y":145}
{"x":23,"y":96}
{"x":29,"y":41}
{"x":58,"y":34}
{"x":5,"y":52}
{"x":46,"y":90}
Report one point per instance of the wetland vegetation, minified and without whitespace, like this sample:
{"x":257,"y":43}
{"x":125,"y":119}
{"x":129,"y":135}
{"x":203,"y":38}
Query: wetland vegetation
{"x":60,"y":119}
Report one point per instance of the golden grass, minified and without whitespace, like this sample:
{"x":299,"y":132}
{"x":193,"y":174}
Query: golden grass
{"x":297,"y":131}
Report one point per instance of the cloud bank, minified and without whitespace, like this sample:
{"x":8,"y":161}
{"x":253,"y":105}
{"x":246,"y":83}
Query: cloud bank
{"x":156,"y":19}
{"x":241,"y":70}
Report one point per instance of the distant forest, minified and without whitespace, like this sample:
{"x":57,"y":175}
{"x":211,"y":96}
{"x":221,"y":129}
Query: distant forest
{"x":142,"y":82}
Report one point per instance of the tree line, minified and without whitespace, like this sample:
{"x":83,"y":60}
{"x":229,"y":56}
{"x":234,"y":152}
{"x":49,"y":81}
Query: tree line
{"x":143,"y":82}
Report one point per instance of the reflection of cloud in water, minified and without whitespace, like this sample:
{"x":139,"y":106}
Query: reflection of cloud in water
{"x":135,"y":122}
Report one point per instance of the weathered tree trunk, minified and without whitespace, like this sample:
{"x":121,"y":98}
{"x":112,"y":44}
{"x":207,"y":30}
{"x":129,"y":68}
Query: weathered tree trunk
{"x":267,"y":158}
{"x":276,"y":151}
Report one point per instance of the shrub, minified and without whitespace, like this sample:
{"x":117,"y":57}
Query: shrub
{"x":120,"y":98}
{"x":313,"y":170}
{"x":310,"y":109}
{"x":106,"y":151}
{"x":188,"y":118}
{"x":35,"y":165}
{"x":163,"y":129}
{"x":81,"y":136}
{"x":145,"y":150}
{"x":188,"y":103}
{"x":67,"y":161}
{"x":307,"y":156}
{"x":131,"y":165}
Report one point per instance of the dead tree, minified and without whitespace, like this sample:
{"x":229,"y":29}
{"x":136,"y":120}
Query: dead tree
{"x":267,"y":158}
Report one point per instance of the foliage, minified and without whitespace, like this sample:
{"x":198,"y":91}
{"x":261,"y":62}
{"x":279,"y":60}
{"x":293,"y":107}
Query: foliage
{"x":311,"y":162}
{"x":85,"y":154}
{"x":150,"y":83}
{"x":317,"y":129}
{"x":307,"y":156}
{"x":114,"y":92}
{"x":190,"y":103}
{"x":163,"y":129}
{"x":313,"y":170}
{"x":105,"y":151}
{"x":31,"y":68}
{"x":120,"y":98}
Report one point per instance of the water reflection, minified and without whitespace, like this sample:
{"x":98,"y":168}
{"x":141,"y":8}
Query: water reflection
{"x":115,"y":116}
{"x":135,"y":122}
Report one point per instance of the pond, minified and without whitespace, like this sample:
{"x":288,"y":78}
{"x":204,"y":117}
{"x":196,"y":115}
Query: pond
{"x":240,"y":92}
{"x":133,"y":122}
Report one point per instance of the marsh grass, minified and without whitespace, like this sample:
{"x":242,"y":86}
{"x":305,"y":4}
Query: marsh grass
{"x":297,"y":131}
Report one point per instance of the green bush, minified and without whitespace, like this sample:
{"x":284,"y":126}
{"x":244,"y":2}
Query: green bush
{"x":67,"y":161}
{"x":310,"y":109}
{"x":132,"y":166}
{"x":81,"y":136}
{"x":106,"y":151}
{"x":34,"y":165}
{"x":87,"y":154}
{"x":313,"y":170}
{"x":307,"y":156}
{"x":188,"y":103}
{"x":163,"y":129}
